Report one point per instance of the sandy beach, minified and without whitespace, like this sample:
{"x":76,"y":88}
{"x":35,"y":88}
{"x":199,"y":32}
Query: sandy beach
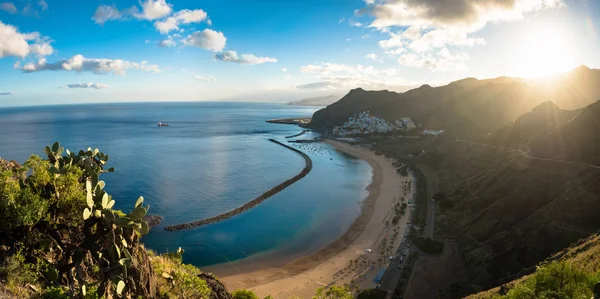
{"x":357,"y":256}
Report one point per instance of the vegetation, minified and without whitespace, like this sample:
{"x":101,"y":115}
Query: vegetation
{"x":334,"y":292}
{"x":554,"y":280}
{"x":61,"y":237}
{"x":428,"y":245}
{"x":372,"y":294}
{"x":244,"y":294}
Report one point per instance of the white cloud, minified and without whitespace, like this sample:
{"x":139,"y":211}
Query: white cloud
{"x":185,"y":16}
{"x":154,"y":9}
{"x":43,"y":4}
{"x":205,"y":78}
{"x":166,"y":43}
{"x":348,"y":39}
{"x":342,"y":76}
{"x":430,"y":26}
{"x":462,"y":13}
{"x":86,"y":85}
{"x":395,"y":41}
{"x":341,"y":20}
{"x":78,"y":63}
{"x":41,"y":48}
{"x":441,"y":61}
{"x":334,"y":68}
{"x":6,"y":93}
{"x":284,"y":70}
{"x":106,"y":13}
{"x":8,"y":7}
{"x":373,"y":57}
{"x":365,"y":36}
{"x":232,"y":56}
{"x":355,"y":23}
{"x":207,"y":39}
{"x":14,"y":43}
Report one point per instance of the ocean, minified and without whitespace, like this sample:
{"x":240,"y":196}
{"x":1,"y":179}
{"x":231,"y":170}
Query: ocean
{"x":212,"y":158}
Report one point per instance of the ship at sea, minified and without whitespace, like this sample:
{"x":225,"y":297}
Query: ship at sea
{"x":162,"y":124}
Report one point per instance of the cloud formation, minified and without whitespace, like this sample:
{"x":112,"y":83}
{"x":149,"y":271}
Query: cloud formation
{"x":78,"y":63}
{"x":8,"y":7}
{"x":232,"y":56}
{"x":206,"y":39}
{"x":442,"y":60}
{"x":15,"y":43}
{"x":373,"y":57}
{"x":86,"y":85}
{"x":185,"y":16}
{"x":332,"y":76}
{"x":154,"y":10}
{"x":204,"y":78}
{"x":6,"y":93}
{"x":166,"y":43}
{"x":426,"y":28}
{"x":151,"y":10}
{"x":106,"y":13}
{"x":443,"y":13}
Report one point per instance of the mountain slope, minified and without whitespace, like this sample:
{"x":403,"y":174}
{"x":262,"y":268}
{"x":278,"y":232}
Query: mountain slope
{"x":579,"y":258}
{"x":578,"y":140}
{"x":487,"y":104}
{"x":542,"y":120}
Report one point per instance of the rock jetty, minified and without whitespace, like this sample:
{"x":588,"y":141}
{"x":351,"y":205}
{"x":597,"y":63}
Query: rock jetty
{"x":254,"y":202}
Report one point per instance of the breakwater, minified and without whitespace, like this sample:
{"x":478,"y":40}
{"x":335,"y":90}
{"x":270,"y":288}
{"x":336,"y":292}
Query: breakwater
{"x":299,"y":134}
{"x":254,"y":202}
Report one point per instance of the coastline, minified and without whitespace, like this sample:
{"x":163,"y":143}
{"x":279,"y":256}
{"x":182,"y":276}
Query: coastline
{"x":304,"y":275}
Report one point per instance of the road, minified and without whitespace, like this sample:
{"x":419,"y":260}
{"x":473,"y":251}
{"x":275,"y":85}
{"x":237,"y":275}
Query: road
{"x":524,"y":154}
{"x":430,"y":226}
{"x":394,"y":271}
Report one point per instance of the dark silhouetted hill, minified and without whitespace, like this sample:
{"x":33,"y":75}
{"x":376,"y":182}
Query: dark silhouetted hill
{"x":487,"y":104}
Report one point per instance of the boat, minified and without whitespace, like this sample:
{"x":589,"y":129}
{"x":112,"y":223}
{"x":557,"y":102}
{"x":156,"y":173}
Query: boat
{"x":162,"y":124}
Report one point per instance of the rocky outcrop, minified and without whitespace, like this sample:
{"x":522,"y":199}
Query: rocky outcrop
{"x":218,"y":289}
{"x":6,"y":165}
{"x":152,"y":220}
{"x":253,"y":202}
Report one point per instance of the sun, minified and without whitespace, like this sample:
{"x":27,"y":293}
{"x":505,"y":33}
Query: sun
{"x":544,"y":52}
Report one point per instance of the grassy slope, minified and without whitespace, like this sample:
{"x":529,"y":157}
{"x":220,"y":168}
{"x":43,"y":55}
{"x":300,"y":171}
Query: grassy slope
{"x":582,"y":255}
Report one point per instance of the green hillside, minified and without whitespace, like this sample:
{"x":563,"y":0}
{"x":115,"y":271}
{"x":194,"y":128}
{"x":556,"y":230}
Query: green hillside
{"x":571,"y":273}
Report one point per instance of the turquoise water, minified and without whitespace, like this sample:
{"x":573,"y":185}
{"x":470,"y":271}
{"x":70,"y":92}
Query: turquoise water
{"x":212,"y":158}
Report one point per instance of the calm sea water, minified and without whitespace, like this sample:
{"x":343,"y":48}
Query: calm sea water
{"x":212,"y":158}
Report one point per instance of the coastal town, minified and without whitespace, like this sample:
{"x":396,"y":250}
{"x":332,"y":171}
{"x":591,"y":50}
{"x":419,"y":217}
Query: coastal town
{"x":364,"y":123}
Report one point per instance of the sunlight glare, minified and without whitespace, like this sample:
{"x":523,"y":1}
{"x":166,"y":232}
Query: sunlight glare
{"x":545,"y":51}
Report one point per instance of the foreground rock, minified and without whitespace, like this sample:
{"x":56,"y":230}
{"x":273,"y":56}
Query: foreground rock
{"x":152,"y":220}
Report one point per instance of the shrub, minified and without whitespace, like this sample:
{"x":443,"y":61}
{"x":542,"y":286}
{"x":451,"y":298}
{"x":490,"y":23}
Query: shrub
{"x":372,"y":294}
{"x":244,"y":294}
{"x":555,"y":280}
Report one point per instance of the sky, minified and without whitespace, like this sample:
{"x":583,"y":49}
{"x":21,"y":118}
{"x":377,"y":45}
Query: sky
{"x":62,"y":51}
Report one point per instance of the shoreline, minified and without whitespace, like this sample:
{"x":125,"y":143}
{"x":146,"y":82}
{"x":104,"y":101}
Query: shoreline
{"x":291,"y":278}
{"x":249,"y":205}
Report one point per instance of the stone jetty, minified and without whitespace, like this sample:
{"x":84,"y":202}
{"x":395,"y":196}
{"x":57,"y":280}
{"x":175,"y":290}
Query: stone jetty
{"x":254,"y":202}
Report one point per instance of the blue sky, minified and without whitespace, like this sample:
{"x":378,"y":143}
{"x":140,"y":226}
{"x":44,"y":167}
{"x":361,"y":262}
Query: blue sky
{"x":63,"y":51}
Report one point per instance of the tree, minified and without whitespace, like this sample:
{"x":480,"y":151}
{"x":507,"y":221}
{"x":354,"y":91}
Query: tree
{"x":334,"y":292}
